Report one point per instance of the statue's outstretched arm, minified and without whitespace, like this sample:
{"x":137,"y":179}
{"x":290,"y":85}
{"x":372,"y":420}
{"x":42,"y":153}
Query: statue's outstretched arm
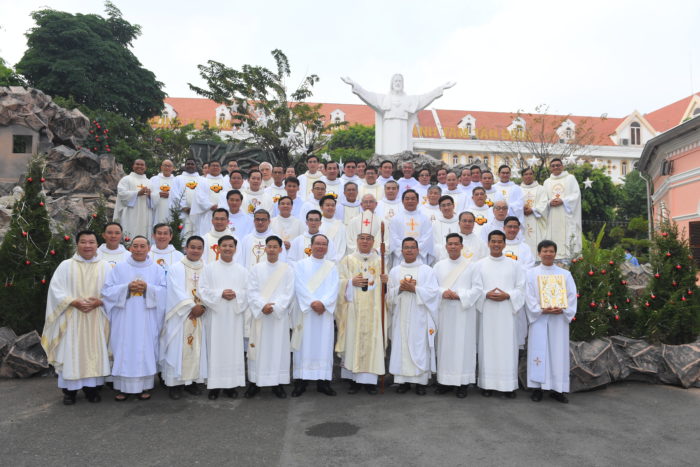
{"x":370,"y":98}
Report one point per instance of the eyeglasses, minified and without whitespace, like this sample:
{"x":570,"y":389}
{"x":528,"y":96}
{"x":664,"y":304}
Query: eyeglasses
{"x":500,"y":208}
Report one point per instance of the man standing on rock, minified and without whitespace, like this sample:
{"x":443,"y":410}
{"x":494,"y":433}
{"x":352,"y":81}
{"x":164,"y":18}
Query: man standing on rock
{"x":163,"y":192}
{"x":76,"y":330}
{"x":133,"y":208}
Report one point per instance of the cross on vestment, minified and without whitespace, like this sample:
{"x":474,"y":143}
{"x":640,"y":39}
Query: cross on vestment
{"x":366,"y":222}
{"x":215,"y":249}
{"x":537,"y":361}
{"x":258,"y":251}
{"x":412,"y":224}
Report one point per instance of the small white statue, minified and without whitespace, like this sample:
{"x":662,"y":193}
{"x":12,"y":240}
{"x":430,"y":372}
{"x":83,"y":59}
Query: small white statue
{"x":396,"y":113}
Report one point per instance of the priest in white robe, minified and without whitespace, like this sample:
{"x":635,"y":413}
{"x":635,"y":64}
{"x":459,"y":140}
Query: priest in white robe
{"x":254,"y":194}
{"x":163,"y":187}
{"x":251,"y":249}
{"x":349,"y":206}
{"x":334,"y":185}
{"x":371,"y":185}
{"x":411,"y":222}
{"x":483,"y":214}
{"x":112,"y":251}
{"x":134,"y":298}
{"x":548,"y":342}
{"x":511,"y":193}
{"x":162,"y":251}
{"x":223,"y":290}
{"x":270,"y":301}
{"x":517,"y":250}
{"x":307,"y":179}
{"x":457,"y":324}
{"x":460,"y":198}
{"x":564,"y":213}
{"x":186,"y":185}
{"x":313,"y":201}
{"x":133,"y":208}
{"x":413,"y":298}
{"x":274,"y":191}
{"x":361,"y":342}
{"x":76,"y":329}
{"x":390,"y":204}
{"x":502,"y":282}
{"x":291,"y":187}
{"x":368,"y":222}
{"x":183,"y":351}
{"x":473,"y":247}
{"x":240,"y":223}
{"x":219,"y":228}
{"x":300,"y":247}
{"x":206,"y":199}
{"x":492,"y":194}
{"x":316,"y":288}
{"x":431,"y":208}
{"x":332,"y":227}
{"x":534,"y":210}
{"x":285,"y":225}
{"x":446,"y":223}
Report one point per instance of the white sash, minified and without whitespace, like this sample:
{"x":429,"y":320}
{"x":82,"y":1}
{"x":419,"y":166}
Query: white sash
{"x":454,"y":274}
{"x":268,"y":289}
{"x":315,"y":282}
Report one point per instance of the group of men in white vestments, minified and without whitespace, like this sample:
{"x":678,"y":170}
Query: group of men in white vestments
{"x":280,"y":273}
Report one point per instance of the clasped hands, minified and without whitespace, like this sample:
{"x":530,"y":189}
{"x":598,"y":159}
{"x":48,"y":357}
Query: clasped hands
{"x":318,"y":307}
{"x":408,"y":285}
{"x":359,"y":281}
{"x":137,"y":286}
{"x":228,"y":294}
{"x":86,"y":305}
{"x":497,"y":295}
{"x":144,"y":191}
{"x":552,"y":310}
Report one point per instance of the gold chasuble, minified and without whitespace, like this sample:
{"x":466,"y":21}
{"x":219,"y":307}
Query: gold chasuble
{"x":358,"y":315}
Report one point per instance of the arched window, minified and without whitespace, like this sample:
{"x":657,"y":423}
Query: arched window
{"x":569,"y":133}
{"x":455,"y":159}
{"x":635,"y":134}
{"x":623,"y":168}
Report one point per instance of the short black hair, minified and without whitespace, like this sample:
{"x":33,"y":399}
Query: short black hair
{"x":313,"y":185}
{"x":225,"y":211}
{"x":463,"y":213}
{"x":479,"y":188}
{"x":315,"y":236}
{"x":148,"y":242}
{"x":454,"y":235}
{"x":262,"y":211}
{"x":291,"y":180}
{"x":314,"y":211}
{"x":312,"y":156}
{"x":555,"y":160}
{"x":113,"y":223}
{"x":386,"y":162}
{"x":227,"y":237}
{"x":503,"y":166}
{"x":162,"y":224}
{"x":547,"y":244}
{"x":510,"y":218}
{"x":445,"y":198}
{"x":234,"y":192}
{"x":327,"y":197}
{"x":194,"y":237}
{"x":403,"y":196}
{"x":84,"y":232}
{"x":274,"y":238}
{"x":408,"y":239}
{"x":285,"y":197}
{"x":349,"y":183}
{"x":496,"y":232}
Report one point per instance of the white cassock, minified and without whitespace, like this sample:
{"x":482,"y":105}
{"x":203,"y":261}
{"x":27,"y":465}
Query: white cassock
{"x":407,"y":184}
{"x":306,"y":181}
{"x":411,"y":224}
{"x":483,"y":218}
{"x":211,"y":244}
{"x":422,"y":191}
{"x":251,"y":249}
{"x":240,"y":224}
{"x":135,"y":323}
{"x":548,"y":341}
{"x":76,"y":343}
{"x":269,"y":346}
{"x":313,"y":336}
{"x":297,"y":207}
{"x":457,"y":324}
{"x":496,"y":224}
{"x":387,"y":209}
{"x":461,"y":200}
{"x":468,"y":190}
{"x":311,"y":204}
{"x":301,"y":249}
{"x":187,"y":184}
{"x":413,"y":323}
{"x":519,"y":251}
{"x":132,"y":211}
{"x":564,"y":222}
{"x":348,"y":210}
{"x":473,"y":248}
{"x":381,"y":180}
{"x":113,"y":257}
{"x":514,"y":196}
{"x":334,"y":187}
{"x":493,"y":195}
{"x":207,"y":194}
{"x":441,"y":229}
{"x":431,"y":212}
{"x":183,"y":351}
{"x":354,"y":179}
{"x":271,"y":195}
{"x":224,"y":323}
{"x":161,"y":206}
{"x":535,"y":226}
{"x":376,"y":190}
{"x":287,"y":228}
{"x":165,"y":257}
{"x":334,"y":229}
{"x":498,"y":337}
{"x":253,"y":200}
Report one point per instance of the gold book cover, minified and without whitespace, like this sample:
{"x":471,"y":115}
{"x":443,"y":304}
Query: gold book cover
{"x":552,"y":291}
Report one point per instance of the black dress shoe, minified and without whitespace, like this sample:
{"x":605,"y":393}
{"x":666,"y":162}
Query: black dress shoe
{"x":371,"y":389}
{"x":486,"y":392}
{"x":559,"y":397}
{"x":420,"y":389}
{"x":214,"y":394}
{"x":175,"y":392}
{"x":511,"y":395}
{"x":279,"y":392}
{"x":92,"y":395}
{"x":354,"y":387}
{"x":324,"y":387}
{"x":403,"y":388}
{"x":231,"y":392}
{"x":461,"y":391}
{"x":252,"y":390}
{"x":443,"y":389}
{"x":299,"y":388}
{"x":69,"y":397}
{"x":536,"y":395}
{"x":193,"y":389}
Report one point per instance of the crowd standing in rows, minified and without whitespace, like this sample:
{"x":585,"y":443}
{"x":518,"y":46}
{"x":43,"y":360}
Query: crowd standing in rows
{"x":279,"y":272}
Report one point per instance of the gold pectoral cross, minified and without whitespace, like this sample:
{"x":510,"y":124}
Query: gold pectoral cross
{"x":412,"y":224}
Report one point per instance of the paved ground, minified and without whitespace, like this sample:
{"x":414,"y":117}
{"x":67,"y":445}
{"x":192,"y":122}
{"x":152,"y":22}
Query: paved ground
{"x":626,"y":424}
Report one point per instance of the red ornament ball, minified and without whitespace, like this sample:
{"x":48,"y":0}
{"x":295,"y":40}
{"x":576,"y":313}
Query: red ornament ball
{"x":52,"y":252}
{"x":627,"y":300}
{"x":664,"y":234}
{"x":180,"y":227}
{"x":679,"y":267}
{"x":94,"y":216}
{"x":674,"y":283}
{"x":623,"y":282}
{"x":617,"y":317}
{"x":573,"y":260}
{"x":592,"y":304}
{"x":108,"y":150}
{"x":42,"y":179}
{"x":30,"y":179}
{"x":609,"y":294}
{"x":24,"y":234}
{"x":127,"y":239}
{"x":690,"y":292}
{"x":603,"y":272}
{"x":578,"y":295}
{"x":653,"y":297}
{"x":41,"y":203}
{"x":43,"y":281}
{"x":573,"y":319}
{"x":27,"y":262}
{"x":611,"y":262}
{"x":66,"y":237}
{"x":591,"y":273}
{"x":615,"y":307}
{"x":647,"y":304}
{"x":668,"y":254}
{"x":683,"y":298}
{"x":657,"y":275}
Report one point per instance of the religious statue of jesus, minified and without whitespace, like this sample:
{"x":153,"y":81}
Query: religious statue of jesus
{"x":396,"y":113}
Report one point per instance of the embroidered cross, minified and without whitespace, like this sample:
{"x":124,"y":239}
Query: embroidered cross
{"x":366,"y":222}
{"x":215,"y":249}
{"x":537,"y":361}
{"x":412,"y":224}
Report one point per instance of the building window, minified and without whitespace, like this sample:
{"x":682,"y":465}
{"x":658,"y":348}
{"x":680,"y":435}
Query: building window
{"x":455,"y":159}
{"x":469,"y":128}
{"x":696,"y":111}
{"x":694,"y":240}
{"x":623,"y":168}
{"x":21,"y":144}
{"x":635,"y":134}
{"x":569,"y":133}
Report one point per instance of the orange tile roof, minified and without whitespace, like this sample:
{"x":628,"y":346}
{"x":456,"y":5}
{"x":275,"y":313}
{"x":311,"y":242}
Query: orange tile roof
{"x":667,"y":117}
{"x":489,"y":125}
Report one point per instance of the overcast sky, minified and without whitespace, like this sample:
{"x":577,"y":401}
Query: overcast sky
{"x":585,"y":57}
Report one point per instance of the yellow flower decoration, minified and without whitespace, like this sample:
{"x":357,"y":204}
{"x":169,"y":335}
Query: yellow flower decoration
{"x":481,"y":220}
{"x":511,"y":255}
{"x":165,"y":188}
{"x":334,"y":195}
{"x":191,"y":185}
{"x":307,"y":250}
{"x":489,"y":203}
{"x":276,"y":198}
{"x":251,"y":208}
{"x":216,"y":188}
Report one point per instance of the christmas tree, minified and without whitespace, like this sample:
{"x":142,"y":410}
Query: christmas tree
{"x":97,"y":140}
{"x":98,"y":219}
{"x":670,"y":312}
{"x":605,"y":307}
{"x":177,"y":224}
{"x":29,"y":255}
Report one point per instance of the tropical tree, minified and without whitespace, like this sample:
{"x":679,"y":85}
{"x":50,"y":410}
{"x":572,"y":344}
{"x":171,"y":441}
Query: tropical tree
{"x":353,"y":142}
